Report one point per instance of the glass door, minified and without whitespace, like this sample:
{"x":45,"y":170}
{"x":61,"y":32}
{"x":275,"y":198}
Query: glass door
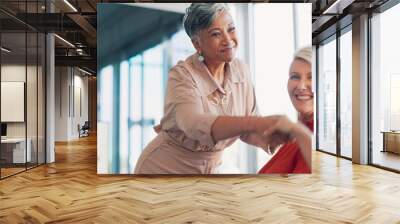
{"x":22,"y":88}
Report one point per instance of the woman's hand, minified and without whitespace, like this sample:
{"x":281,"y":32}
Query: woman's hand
{"x":295,"y":131}
{"x":273,"y":138}
{"x":282,"y":125}
{"x":260,"y":141}
{"x":257,"y":138}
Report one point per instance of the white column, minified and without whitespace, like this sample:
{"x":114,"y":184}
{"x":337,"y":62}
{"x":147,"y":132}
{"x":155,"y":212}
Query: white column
{"x":50,"y":92}
{"x":360,"y":90}
{"x":50,"y":99}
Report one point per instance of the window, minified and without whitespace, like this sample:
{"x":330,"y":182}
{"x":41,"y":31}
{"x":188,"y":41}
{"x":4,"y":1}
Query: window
{"x":327,"y":96}
{"x":141,"y":89}
{"x":394,"y":101}
{"x":104,"y":114}
{"x":385,"y":86}
{"x":346,"y":94}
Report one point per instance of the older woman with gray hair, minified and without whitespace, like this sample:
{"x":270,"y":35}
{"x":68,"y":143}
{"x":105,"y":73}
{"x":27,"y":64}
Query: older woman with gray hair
{"x":209,"y":102}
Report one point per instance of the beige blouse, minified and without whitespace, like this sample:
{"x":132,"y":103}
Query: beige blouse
{"x":193,"y":101}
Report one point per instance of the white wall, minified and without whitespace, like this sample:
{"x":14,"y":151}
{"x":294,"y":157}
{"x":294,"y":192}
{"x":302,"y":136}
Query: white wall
{"x":61,"y":103}
{"x":71,"y":86}
{"x":79,"y":117}
{"x":16,"y":73}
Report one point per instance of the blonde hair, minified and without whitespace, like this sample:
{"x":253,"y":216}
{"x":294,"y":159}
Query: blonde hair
{"x":305,"y":54}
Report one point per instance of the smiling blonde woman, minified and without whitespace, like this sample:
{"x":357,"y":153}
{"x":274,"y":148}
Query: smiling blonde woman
{"x":295,"y":157}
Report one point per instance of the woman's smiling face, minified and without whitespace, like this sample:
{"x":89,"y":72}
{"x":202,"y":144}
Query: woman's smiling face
{"x":299,"y":87}
{"x":218,"y":42}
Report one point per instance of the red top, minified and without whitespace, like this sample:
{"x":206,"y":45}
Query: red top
{"x":288,"y":159}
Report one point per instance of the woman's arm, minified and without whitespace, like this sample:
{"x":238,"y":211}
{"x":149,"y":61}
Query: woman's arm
{"x":209,"y":129}
{"x":255,"y":140}
{"x":303,"y":138}
{"x":227,"y":127}
{"x":298,"y":131}
{"x":184,"y":99}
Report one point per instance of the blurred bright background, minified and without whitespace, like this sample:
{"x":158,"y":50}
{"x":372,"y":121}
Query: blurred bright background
{"x":136,"y":49}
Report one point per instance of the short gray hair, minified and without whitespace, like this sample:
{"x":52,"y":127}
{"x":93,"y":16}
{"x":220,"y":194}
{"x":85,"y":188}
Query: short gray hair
{"x":305,"y":54}
{"x":199,"y":16}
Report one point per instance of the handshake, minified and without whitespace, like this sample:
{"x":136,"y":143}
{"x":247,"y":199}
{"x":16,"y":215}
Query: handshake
{"x":265,"y":132}
{"x":269,"y":132}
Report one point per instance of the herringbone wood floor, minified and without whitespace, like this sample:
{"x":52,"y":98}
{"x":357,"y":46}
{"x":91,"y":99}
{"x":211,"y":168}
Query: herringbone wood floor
{"x":70,"y":191}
